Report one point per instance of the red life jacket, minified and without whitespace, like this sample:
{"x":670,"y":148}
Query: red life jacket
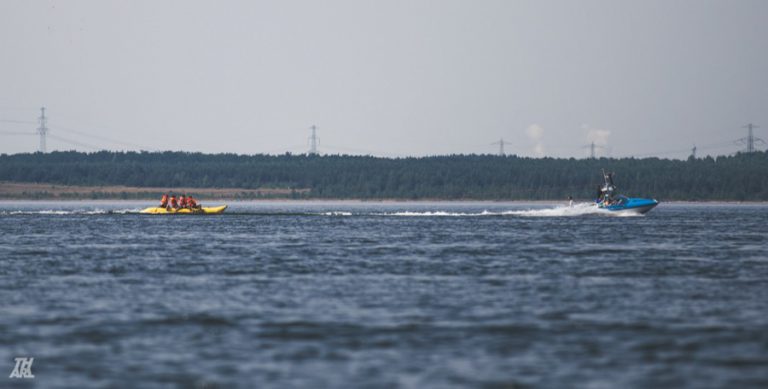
{"x":191,"y":202}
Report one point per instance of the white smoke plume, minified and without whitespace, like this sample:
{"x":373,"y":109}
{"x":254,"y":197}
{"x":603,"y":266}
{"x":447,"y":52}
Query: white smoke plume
{"x":535,"y":132}
{"x":600,"y":137}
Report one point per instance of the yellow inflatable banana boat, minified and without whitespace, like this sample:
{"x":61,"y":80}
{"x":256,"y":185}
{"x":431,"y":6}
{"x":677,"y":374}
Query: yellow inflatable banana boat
{"x":201,"y":211}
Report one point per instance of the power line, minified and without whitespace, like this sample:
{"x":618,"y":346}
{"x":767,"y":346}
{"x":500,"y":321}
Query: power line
{"x":664,"y":152}
{"x":74,"y":142}
{"x":16,"y":133}
{"x":710,"y":146}
{"x":283,"y":150}
{"x":43,"y":131}
{"x":718,"y":145}
{"x":103,"y":138}
{"x":17,"y":121}
{"x":361,"y":151}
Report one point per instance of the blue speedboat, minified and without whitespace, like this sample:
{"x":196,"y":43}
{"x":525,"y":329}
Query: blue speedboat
{"x":633,"y":204}
{"x":610,"y":201}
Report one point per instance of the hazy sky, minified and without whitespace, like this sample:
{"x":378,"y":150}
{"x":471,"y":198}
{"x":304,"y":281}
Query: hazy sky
{"x":390,"y":78}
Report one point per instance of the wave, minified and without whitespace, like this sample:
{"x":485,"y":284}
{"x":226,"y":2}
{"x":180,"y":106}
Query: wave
{"x":335,"y":213}
{"x":71,"y":212}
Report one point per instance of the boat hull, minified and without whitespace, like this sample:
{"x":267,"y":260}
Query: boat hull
{"x":185,"y":211}
{"x":632,"y":205}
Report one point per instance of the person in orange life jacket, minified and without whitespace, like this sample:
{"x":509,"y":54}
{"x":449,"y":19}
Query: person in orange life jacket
{"x":174,"y":203}
{"x":191,"y":203}
{"x":164,"y":201}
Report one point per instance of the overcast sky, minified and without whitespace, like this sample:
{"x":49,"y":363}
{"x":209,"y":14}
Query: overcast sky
{"x":391,"y":78}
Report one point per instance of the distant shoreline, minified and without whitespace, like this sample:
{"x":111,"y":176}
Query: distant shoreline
{"x":15,"y":191}
{"x":39,"y":191}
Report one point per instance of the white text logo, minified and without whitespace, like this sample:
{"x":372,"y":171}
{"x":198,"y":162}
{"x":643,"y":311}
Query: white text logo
{"x":23,"y":368}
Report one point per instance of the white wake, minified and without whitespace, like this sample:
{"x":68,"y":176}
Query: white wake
{"x":70,"y":212}
{"x":579,"y":209}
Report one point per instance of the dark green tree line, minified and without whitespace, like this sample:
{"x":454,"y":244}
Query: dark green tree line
{"x":737,"y":177}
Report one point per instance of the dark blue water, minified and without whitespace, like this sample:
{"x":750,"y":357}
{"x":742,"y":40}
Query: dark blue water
{"x":384,"y":295}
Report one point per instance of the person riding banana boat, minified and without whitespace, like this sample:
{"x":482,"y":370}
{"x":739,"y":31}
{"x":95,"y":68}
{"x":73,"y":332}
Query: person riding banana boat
{"x":184,"y":201}
{"x":184,"y":204}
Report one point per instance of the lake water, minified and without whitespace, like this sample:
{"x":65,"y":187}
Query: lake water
{"x":366,"y":295}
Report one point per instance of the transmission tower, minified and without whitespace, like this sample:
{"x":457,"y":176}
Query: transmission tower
{"x":42,"y":130}
{"x":500,"y":142}
{"x":592,"y":147}
{"x":313,"y":141}
{"x":750,"y":139}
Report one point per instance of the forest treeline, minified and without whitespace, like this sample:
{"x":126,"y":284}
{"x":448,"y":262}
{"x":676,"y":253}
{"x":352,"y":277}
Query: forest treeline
{"x":737,"y":177}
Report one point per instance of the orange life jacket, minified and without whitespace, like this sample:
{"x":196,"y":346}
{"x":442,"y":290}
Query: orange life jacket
{"x":174,"y":203}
